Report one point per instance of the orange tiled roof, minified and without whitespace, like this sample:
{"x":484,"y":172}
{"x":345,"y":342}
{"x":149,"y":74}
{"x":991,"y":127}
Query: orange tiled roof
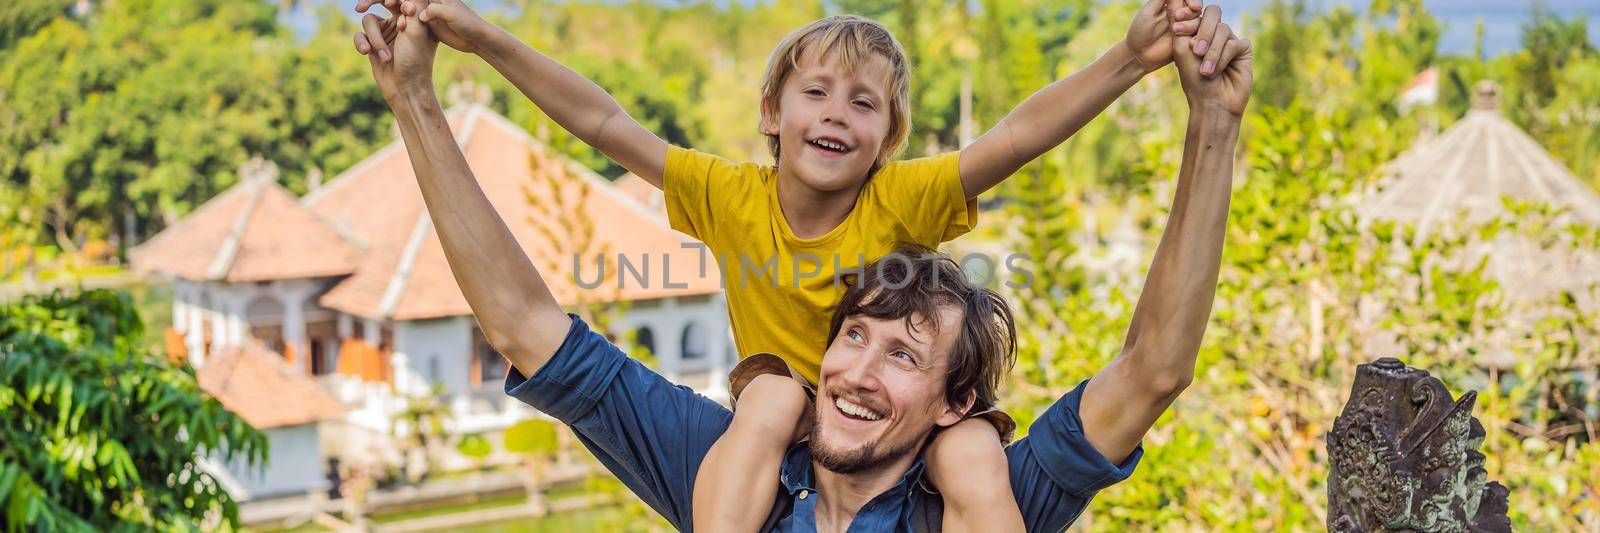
{"x":254,"y":231}
{"x":404,"y":274}
{"x":255,"y":384}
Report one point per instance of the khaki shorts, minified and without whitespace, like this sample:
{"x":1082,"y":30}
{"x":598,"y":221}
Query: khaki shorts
{"x":766,"y":363}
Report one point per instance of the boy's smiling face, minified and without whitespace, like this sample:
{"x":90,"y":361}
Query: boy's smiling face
{"x":831,"y":124}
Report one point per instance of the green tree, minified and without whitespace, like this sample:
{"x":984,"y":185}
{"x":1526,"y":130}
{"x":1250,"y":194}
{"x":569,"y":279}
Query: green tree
{"x":1549,"y":88}
{"x":20,"y":19}
{"x":538,"y":442}
{"x":100,"y":434}
{"x":1281,"y":36}
{"x":118,"y":123}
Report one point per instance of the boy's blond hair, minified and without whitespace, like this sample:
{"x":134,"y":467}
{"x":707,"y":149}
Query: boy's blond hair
{"x":855,"y":39}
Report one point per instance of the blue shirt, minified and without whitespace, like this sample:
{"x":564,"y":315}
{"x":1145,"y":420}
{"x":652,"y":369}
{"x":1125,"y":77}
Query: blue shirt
{"x":653,"y":434}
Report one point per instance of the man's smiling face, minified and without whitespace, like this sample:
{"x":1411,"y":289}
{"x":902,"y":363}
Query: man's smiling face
{"x":882,"y":390}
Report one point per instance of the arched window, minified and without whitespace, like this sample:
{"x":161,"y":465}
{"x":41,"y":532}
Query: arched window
{"x":694,"y":341}
{"x":265,"y":317}
{"x":646,"y":339}
{"x":264,"y":310}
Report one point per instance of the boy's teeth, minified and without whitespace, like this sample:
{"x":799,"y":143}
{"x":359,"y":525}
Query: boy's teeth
{"x":855,"y":410}
{"x":829,"y":145}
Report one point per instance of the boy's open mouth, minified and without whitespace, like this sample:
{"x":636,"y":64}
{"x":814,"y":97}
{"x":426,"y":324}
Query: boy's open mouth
{"x":829,"y":145}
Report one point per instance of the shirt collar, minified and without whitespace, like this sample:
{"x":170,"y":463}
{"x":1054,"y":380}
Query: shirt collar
{"x":797,"y":474}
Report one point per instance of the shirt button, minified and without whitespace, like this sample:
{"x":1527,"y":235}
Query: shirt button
{"x":804,"y":493}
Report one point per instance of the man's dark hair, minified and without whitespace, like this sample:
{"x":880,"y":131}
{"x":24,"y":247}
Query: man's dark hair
{"x":915,"y":280}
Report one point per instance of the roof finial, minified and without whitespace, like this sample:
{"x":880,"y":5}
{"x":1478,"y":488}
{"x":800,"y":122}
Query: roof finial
{"x":467,"y":92}
{"x":258,"y":169}
{"x":1486,"y":95}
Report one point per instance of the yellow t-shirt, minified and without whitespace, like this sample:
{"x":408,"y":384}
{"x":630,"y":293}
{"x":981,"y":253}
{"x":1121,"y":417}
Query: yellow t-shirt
{"x":781,"y":288}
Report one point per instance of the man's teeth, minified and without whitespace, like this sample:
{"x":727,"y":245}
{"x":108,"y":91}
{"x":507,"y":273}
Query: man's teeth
{"x":855,"y":410}
{"x":829,"y":145}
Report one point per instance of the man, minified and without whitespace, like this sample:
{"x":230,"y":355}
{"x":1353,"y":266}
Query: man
{"x":913,"y":346}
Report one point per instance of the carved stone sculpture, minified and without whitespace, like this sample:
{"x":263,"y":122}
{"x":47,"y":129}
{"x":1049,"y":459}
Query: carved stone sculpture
{"x":1405,"y":457}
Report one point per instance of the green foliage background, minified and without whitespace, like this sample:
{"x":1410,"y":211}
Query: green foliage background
{"x":114,"y":124}
{"x":100,"y":434}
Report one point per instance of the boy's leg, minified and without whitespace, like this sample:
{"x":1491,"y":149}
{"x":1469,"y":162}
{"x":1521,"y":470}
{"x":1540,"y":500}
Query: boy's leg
{"x":967,"y":463}
{"x":738,"y":480}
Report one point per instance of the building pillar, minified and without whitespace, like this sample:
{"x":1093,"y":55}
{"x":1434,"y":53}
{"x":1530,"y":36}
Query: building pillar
{"x":294,"y":325}
{"x":345,"y":325}
{"x":219,"y":318}
{"x":238,"y":327}
{"x":180,"y":308}
{"x":372,"y":332}
{"x":194,"y":325}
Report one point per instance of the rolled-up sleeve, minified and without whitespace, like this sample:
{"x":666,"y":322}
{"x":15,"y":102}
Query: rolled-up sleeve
{"x":1055,"y":471}
{"x":569,"y":385}
{"x":651,"y":433}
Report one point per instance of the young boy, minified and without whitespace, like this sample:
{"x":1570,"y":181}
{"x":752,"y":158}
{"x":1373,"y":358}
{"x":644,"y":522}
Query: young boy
{"x":835,"y":110}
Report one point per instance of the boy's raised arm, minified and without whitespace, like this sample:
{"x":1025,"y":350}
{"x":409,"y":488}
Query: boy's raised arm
{"x":519,"y":315}
{"x":1059,"y":110}
{"x":574,"y":102}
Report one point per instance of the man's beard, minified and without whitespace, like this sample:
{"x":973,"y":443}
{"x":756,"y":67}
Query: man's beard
{"x":861,"y":459}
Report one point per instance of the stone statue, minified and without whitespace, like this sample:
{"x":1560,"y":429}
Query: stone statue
{"x":1405,"y":458}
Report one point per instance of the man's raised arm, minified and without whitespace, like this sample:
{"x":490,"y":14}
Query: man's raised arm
{"x":1123,"y":400}
{"x":518,"y":314}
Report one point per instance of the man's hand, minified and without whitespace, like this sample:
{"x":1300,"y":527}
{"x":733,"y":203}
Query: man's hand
{"x":1154,"y":27}
{"x":1124,"y":399}
{"x":1222,"y":77}
{"x":401,"y":54}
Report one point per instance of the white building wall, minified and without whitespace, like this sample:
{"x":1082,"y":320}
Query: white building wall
{"x":436,"y":351}
{"x":221,"y":307}
{"x":669,"y":318}
{"x":295,"y":464}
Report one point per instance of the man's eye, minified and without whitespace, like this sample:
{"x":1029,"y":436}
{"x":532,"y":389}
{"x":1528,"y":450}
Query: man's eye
{"x":904,"y":355}
{"x":853,"y":334}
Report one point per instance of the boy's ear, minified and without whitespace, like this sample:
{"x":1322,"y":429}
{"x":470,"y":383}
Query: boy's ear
{"x":769,"y":120}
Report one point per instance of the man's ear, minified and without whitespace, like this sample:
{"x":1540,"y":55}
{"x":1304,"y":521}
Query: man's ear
{"x":958,"y":412}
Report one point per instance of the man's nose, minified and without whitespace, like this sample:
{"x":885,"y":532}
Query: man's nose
{"x":862,"y":374}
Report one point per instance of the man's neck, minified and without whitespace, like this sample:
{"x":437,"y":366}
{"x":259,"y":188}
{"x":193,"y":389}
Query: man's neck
{"x":840,"y":496}
{"x":811,"y":213}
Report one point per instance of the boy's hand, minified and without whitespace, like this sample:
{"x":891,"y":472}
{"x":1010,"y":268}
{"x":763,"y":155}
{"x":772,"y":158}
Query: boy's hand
{"x":1223,"y":76}
{"x":451,"y":21}
{"x":1155,"y":25}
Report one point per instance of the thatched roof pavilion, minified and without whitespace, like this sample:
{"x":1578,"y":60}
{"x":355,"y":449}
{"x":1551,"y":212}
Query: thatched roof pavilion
{"x":1464,"y":175}
{"x":1471,"y":166}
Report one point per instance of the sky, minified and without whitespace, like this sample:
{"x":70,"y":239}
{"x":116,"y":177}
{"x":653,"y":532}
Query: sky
{"x":1503,"y":19}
